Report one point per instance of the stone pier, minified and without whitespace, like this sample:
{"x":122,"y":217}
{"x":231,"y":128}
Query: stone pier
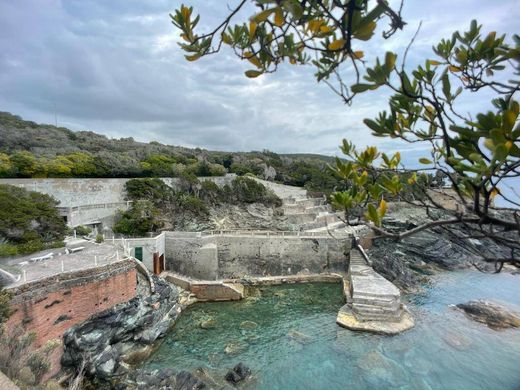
{"x":373,"y":303}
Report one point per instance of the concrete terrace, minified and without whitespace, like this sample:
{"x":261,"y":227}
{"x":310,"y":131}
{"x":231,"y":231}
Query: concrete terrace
{"x":92,"y":256}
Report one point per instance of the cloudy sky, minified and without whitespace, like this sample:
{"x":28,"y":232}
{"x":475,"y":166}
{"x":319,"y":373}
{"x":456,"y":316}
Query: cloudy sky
{"x":114,"y":67}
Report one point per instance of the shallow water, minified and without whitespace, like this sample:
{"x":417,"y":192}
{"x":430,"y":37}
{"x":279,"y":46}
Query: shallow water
{"x":296,"y":343}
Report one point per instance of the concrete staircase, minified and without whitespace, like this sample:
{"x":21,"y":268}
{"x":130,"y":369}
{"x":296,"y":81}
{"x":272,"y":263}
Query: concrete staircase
{"x":373,"y":303}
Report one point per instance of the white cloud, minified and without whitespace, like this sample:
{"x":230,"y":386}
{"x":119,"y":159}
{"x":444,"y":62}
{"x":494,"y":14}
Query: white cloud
{"x":115,"y":68}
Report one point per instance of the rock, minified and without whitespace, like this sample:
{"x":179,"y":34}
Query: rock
{"x":456,"y":340}
{"x":239,"y":373}
{"x":209,"y":323}
{"x":187,"y":381}
{"x":378,"y":368}
{"x":300,"y":337}
{"x":494,"y":315}
{"x":248,"y":325}
{"x":235,"y":347}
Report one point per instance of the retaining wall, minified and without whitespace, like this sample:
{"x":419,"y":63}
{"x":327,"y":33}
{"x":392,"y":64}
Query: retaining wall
{"x":92,"y":191}
{"x":50,"y":306}
{"x":234,"y":256}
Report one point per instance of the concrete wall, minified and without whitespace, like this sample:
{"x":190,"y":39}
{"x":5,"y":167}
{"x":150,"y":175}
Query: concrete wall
{"x":149,"y":245}
{"x":284,"y":191}
{"x":50,"y":306}
{"x":81,"y":192}
{"x":239,"y":256}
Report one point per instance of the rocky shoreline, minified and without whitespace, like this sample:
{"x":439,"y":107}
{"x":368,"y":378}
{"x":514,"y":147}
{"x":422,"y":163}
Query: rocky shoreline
{"x":111,"y":342}
{"x":408,"y":263}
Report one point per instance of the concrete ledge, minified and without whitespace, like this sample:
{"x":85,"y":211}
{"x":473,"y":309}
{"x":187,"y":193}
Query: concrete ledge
{"x":233,"y":289}
{"x":207,"y":291}
{"x":347,"y":319}
{"x":289,"y":279}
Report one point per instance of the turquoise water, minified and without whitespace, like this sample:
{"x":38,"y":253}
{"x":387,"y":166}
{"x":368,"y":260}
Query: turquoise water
{"x":297,"y":345}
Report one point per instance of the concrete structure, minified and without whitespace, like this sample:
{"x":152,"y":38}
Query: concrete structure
{"x":373,"y":303}
{"x":51,"y":305}
{"x":87,"y":201}
{"x":144,"y":249}
{"x":236,"y":254}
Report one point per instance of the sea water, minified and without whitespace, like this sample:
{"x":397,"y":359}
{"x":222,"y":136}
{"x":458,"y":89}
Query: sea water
{"x":288,"y":336}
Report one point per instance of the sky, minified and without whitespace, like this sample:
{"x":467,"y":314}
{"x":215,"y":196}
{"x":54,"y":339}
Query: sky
{"x":114,"y":67}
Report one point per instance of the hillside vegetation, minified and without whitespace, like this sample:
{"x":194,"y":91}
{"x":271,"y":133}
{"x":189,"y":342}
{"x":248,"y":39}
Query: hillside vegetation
{"x":32,"y":150}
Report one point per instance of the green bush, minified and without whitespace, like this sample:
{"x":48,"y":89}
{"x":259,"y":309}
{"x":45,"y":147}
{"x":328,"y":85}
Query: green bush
{"x":8,"y":250}
{"x":82,"y":230}
{"x":192,"y":204}
{"x":154,"y":190}
{"x":211,"y":193}
{"x":99,"y":238}
{"x":248,"y":190}
{"x":28,"y":219}
{"x":140,"y":219}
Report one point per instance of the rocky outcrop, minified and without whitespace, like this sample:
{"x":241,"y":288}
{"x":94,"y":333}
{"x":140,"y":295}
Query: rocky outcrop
{"x":494,"y":315}
{"x":409,"y":262}
{"x":238,"y":374}
{"x":113,"y":340}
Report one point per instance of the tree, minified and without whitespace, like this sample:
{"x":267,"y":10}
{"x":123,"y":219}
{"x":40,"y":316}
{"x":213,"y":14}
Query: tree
{"x":476,"y":154}
{"x":29,"y":221}
{"x":140,"y":219}
{"x":321,"y":33}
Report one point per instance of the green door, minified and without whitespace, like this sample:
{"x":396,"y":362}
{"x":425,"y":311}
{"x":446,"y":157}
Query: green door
{"x":139,"y":253}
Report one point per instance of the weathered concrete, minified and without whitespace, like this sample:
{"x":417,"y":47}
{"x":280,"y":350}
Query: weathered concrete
{"x":373,"y":303}
{"x":235,"y":289}
{"x":204,"y":290}
{"x":89,"y":201}
{"x":250,"y":254}
{"x":80,"y":192}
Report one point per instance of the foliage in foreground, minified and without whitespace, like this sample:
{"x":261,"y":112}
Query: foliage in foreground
{"x":477,"y":154}
{"x":23,"y":365}
{"x":29,"y":221}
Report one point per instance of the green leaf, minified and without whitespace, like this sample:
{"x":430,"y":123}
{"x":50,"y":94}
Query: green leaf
{"x":373,"y":215}
{"x":262,"y":16}
{"x":253,"y":73}
{"x":366,"y":31}
{"x":446,"y":87}
{"x":358,"y":88}
{"x":501,"y":152}
{"x":425,"y":161}
{"x":390,"y":61}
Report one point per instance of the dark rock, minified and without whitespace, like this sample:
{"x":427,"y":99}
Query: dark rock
{"x":492,"y":314}
{"x":104,"y":340}
{"x":239,"y":373}
{"x":187,"y":381}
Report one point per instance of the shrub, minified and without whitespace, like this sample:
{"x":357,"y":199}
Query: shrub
{"x":192,"y":204}
{"x":140,"y":219}
{"x":31,"y":246}
{"x":99,"y":238}
{"x":248,"y":190}
{"x":154,"y":190}
{"x":8,"y":250}
{"x":83,"y":230}
{"x":29,"y":218}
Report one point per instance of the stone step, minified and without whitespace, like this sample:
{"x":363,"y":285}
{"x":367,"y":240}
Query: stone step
{"x":390,"y":304}
{"x":375,"y":311}
{"x":382,"y":318}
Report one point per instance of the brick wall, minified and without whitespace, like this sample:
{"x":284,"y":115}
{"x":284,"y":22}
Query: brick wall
{"x":50,"y":311}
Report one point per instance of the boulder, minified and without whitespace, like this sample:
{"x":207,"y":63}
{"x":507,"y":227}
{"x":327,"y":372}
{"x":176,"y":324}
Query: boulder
{"x":248,"y":325}
{"x":239,"y":373}
{"x":494,"y":315}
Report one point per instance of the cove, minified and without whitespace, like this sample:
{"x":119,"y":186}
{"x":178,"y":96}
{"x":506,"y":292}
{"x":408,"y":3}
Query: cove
{"x":287,"y":335}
